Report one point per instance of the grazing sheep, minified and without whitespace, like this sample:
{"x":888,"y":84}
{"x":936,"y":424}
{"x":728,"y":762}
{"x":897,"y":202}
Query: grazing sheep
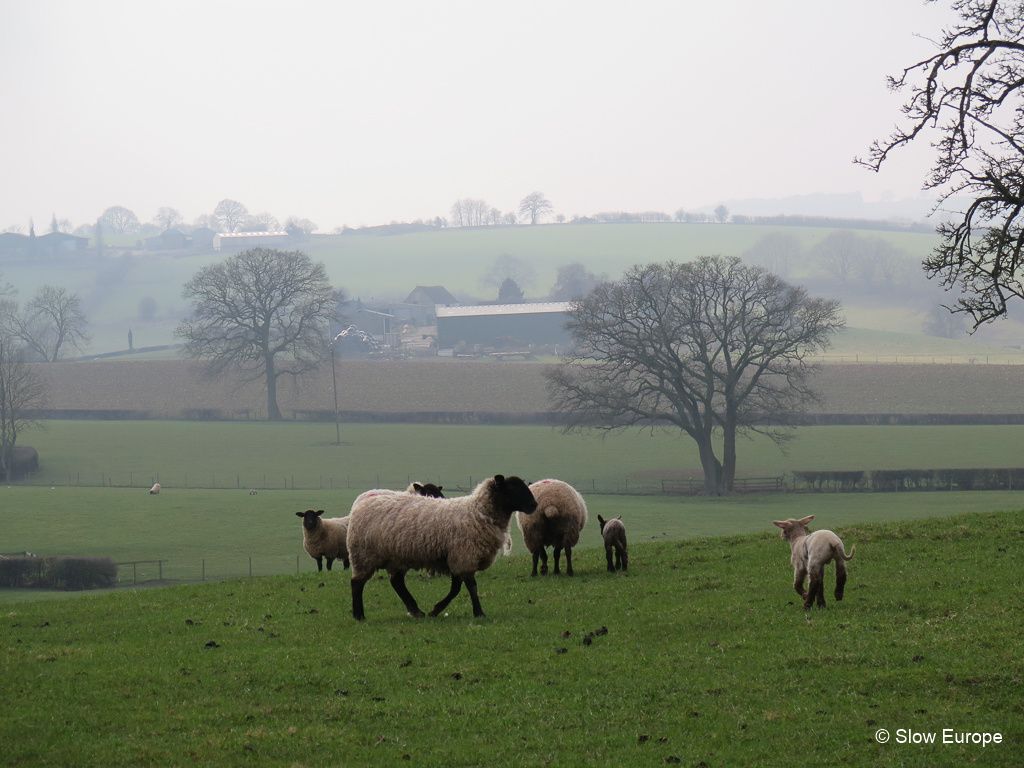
{"x":561,"y":515}
{"x":253,"y":491}
{"x":400,"y":532}
{"x":324,"y":538}
{"x":811,"y":552}
{"x":155,"y":489}
{"x":614,"y":533}
{"x":426,"y":489}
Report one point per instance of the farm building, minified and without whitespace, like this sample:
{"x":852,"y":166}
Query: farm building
{"x":418,"y":307}
{"x":51,"y":244}
{"x":239,"y":241}
{"x":503,"y":325}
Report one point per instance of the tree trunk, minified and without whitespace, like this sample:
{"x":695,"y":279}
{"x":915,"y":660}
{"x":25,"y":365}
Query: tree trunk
{"x":273,"y":412}
{"x":729,"y":455}
{"x":713,"y":478}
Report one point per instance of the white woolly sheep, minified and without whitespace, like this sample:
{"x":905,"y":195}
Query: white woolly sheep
{"x":324,"y":538}
{"x":155,"y":489}
{"x":614,"y":534}
{"x":561,"y":515}
{"x":400,"y":532}
{"x":810,"y":553}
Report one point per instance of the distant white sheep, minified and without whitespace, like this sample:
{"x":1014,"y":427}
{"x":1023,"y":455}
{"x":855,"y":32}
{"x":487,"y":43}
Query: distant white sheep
{"x":324,"y":538}
{"x":809,"y":554}
{"x":400,"y":532}
{"x":614,"y":534}
{"x":561,"y":515}
{"x":155,"y":489}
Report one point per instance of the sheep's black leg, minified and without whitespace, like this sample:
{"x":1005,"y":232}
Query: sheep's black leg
{"x":330,"y":562}
{"x":558,"y":554}
{"x":319,"y":562}
{"x":568,"y":561}
{"x":543,"y":562}
{"x":345,"y":562}
{"x":840,"y":579}
{"x":478,"y":612}
{"x":623,"y":557}
{"x":608,"y":557}
{"x":536,"y":557}
{"x":398,"y":583}
{"x":456,"y":587}
{"x":357,"y":598}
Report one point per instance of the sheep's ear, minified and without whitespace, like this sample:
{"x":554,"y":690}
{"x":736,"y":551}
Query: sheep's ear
{"x":805,"y":520}
{"x":300,"y":514}
{"x":619,"y":517}
{"x":319,"y":512}
{"x":440,"y":487}
{"x":417,"y":487}
{"x":779,"y":523}
{"x":499,"y":479}
{"x":601,"y":520}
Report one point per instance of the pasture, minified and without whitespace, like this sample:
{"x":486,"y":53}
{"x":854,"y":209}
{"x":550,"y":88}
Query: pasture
{"x":706,"y":660}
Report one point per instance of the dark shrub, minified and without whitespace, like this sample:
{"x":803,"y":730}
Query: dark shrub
{"x":75,"y":573}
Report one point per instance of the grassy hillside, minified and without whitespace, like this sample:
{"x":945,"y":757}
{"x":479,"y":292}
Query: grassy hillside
{"x":706,"y":660}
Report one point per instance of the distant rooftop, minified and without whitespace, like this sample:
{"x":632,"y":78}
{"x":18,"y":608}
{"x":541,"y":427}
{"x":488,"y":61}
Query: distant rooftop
{"x":251,"y":234}
{"x":503,"y":309}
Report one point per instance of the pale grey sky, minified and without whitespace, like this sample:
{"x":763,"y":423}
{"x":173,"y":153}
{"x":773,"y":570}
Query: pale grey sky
{"x":361,"y":113}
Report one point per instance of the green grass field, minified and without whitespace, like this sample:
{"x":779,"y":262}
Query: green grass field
{"x":706,"y":660}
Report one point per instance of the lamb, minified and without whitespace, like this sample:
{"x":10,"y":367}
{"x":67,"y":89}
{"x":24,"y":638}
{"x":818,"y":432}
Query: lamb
{"x":811,"y":552}
{"x":614,"y":533}
{"x":560,"y":517}
{"x":400,"y":532}
{"x":324,"y":538}
{"x":155,"y":489}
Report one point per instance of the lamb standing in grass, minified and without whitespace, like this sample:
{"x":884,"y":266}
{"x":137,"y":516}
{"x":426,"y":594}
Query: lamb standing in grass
{"x":400,"y":532}
{"x":154,"y":490}
{"x":810,"y":553}
{"x":614,"y":533}
{"x":561,"y":515}
{"x":324,"y":538}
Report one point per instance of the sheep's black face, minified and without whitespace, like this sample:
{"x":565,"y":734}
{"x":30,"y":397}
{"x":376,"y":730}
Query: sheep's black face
{"x":515,"y":494}
{"x":429,"y":489}
{"x":310,"y":519}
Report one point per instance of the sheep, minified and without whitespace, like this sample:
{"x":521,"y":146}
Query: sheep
{"x":561,"y":515}
{"x":614,"y":533}
{"x":426,"y":489}
{"x":810,"y":553}
{"x":400,"y":532}
{"x":324,"y":538}
{"x":155,"y":489}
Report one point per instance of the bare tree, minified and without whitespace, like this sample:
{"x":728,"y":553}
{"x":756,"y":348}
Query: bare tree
{"x":509,"y":266}
{"x":775,"y":251}
{"x":838,"y":254}
{"x":207,"y":221}
{"x":967,"y":101}
{"x":64,"y":226}
{"x":167,"y":217}
{"x":255,"y":308}
{"x":119,"y":220}
{"x":22,"y":391}
{"x":230,"y":214}
{"x":305,"y":227}
{"x":574,"y":281}
{"x":534,"y":207}
{"x":709,"y":347}
{"x":48,"y":325}
{"x":722,"y":214}
{"x":262,"y":222}
{"x":509,"y":292}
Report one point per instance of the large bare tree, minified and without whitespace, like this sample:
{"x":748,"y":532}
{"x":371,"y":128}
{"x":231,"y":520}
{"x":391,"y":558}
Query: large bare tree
{"x":22,"y":392}
{"x":264,"y":313}
{"x":715,"y":348}
{"x":47,"y":326}
{"x":967,"y":101}
{"x":535,"y":206}
{"x":119,"y":220}
{"x":230,"y":215}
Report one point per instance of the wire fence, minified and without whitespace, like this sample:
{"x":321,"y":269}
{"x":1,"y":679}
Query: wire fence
{"x":1008,"y":359}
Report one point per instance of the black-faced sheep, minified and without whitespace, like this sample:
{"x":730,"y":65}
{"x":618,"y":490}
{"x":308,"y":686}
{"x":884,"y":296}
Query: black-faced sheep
{"x":324,"y":538}
{"x":614,"y":534}
{"x":400,"y":532}
{"x":155,"y":489}
{"x":809,"y":554}
{"x":561,"y":515}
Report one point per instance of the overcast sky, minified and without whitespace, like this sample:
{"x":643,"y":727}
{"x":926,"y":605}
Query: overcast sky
{"x":361,"y":113}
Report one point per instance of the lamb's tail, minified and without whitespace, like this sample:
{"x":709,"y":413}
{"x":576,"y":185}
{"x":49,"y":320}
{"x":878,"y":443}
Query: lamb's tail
{"x":852,"y":553}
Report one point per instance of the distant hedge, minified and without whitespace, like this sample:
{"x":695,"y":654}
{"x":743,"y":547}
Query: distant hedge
{"x":68,"y":573}
{"x":895,"y":480}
